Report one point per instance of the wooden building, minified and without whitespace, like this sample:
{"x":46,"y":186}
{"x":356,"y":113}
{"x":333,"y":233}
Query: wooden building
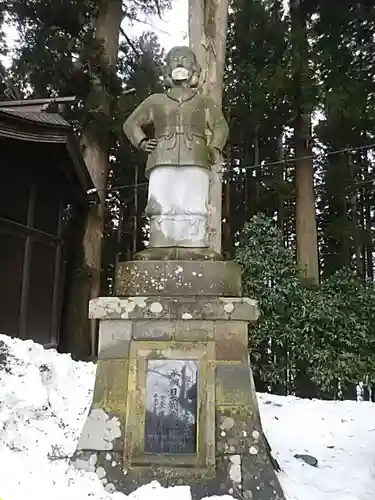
{"x":43,"y":181}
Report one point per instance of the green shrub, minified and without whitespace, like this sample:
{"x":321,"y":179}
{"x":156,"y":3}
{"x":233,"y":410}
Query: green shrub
{"x":313,"y":341}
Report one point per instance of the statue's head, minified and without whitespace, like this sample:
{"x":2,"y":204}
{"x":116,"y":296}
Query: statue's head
{"x":181,"y":68}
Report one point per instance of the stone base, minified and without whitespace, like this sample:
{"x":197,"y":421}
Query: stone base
{"x":178,"y":253}
{"x":178,"y":278}
{"x":231,"y":452}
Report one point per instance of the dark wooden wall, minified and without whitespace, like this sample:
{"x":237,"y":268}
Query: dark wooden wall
{"x":34,"y":211}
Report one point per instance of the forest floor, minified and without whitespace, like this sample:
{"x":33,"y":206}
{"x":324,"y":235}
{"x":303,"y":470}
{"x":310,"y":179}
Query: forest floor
{"x":45,"y":397}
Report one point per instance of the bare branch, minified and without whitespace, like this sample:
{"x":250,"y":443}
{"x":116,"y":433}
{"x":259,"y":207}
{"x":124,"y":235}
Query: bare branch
{"x":130,"y":42}
{"x":158,"y":9}
{"x":147,"y":23}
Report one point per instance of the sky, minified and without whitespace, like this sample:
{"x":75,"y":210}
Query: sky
{"x":171,"y":30}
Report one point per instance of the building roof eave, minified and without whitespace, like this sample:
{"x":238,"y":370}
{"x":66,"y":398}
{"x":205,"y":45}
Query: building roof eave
{"x":50,"y":129}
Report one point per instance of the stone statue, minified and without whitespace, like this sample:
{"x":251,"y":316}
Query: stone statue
{"x":190,"y":132}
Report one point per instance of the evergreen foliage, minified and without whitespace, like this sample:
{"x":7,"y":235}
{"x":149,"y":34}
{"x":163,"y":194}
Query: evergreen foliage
{"x":330,"y":327}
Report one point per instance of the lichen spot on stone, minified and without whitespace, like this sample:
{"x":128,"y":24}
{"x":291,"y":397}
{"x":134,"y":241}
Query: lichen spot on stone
{"x":235,"y":473}
{"x":253,"y":450}
{"x":110,"y":488}
{"x":156,"y":308}
{"x":227,"y":423}
{"x":229,"y":308}
{"x":101,"y":472}
{"x":127,"y":306}
{"x":256,"y":435}
{"x":186,"y":316}
{"x":87,"y":465}
{"x":139,"y":301}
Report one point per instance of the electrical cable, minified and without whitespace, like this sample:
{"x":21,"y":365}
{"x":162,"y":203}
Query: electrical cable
{"x":253,"y":167}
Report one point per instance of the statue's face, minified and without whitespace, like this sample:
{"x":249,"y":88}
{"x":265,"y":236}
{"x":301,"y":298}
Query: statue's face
{"x":181,"y":61}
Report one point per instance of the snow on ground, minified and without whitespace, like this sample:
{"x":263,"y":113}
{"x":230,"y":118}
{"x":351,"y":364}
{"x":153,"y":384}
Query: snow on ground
{"x":44,"y":400}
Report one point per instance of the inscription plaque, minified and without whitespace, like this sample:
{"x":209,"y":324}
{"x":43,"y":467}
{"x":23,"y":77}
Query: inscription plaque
{"x":171,"y":406}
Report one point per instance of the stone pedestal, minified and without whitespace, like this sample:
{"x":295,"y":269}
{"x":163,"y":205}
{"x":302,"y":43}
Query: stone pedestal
{"x":174,"y":398}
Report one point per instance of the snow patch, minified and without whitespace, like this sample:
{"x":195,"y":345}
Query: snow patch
{"x":45,"y":398}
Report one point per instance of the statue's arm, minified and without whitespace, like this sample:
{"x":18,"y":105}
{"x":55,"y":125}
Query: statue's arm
{"x":218,"y":126}
{"x":134,"y":125}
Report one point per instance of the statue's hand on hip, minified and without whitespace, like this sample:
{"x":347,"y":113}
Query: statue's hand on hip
{"x":215,"y":156}
{"x":148,"y":145}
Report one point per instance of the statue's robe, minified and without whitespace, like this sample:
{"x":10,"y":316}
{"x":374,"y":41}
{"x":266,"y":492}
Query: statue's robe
{"x":184,"y":123}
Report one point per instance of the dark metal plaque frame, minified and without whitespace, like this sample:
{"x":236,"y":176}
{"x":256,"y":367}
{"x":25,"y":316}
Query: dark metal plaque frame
{"x":135,"y":446}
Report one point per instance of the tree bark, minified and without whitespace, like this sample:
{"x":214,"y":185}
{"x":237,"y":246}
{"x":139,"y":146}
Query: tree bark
{"x":95,"y":146}
{"x":306,"y":232}
{"x":368,"y":217}
{"x":280,"y":192}
{"x":208,"y":21}
{"x":307,"y":241}
{"x":227,"y":231}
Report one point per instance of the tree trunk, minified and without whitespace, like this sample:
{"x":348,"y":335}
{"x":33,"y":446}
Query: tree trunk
{"x":368,"y":218}
{"x":280,"y":191}
{"x":306,"y":232}
{"x":370,"y":245}
{"x":360,"y":244}
{"x":227,"y":232}
{"x":95,"y":146}
{"x":258,"y":172}
{"x":208,"y":21}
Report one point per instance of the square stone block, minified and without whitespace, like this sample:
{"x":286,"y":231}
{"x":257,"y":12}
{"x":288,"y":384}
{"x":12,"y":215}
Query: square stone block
{"x":231,"y":342}
{"x":233,"y":386}
{"x":259,"y":481}
{"x":189,"y":330}
{"x":111,"y":382}
{"x":153,"y":329}
{"x":237,"y":430}
{"x":103,"y":431}
{"x":114,"y":338}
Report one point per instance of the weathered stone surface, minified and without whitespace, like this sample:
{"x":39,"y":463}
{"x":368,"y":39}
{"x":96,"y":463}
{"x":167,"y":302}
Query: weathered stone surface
{"x":114,"y":339}
{"x":237,"y":430}
{"x":231,"y":341}
{"x":153,"y":330}
{"x":111,"y":385}
{"x":178,"y":253}
{"x":242,"y":477}
{"x":178,"y":278}
{"x":116,"y":476}
{"x":259,"y":481}
{"x":232,"y":457}
{"x":233,"y":384}
{"x":101,"y":432}
{"x":190,"y":330}
{"x":174,"y":308}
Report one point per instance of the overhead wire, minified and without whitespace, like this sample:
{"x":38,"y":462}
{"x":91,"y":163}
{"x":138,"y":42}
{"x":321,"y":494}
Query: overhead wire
{"x":254,"y":166}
